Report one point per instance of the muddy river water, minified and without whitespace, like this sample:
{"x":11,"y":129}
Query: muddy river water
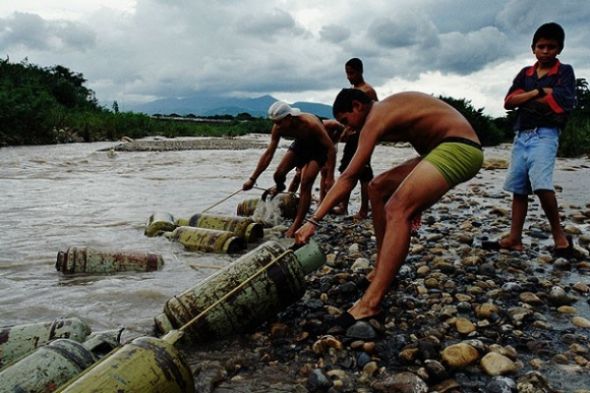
{"x":56,"y":196}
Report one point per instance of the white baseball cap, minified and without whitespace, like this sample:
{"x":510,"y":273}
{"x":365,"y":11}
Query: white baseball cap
{"x":280,"y":110}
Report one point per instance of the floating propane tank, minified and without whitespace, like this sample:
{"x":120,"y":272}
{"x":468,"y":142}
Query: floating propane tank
{"x":287,"y":203}
{"x":207,"y":240}
{"x":243,"y":227}
{"x":19,"y":340}
{"x":90,"y":260}
{"x":242,"y":295}
{"x":147,"y":365}
{"x":159,"y":223}
{"x":54,"y":364}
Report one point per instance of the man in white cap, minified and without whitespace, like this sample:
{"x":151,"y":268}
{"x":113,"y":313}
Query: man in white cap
{"x":310,"y":151}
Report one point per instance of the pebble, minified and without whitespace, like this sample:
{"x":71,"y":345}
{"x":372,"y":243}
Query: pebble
{"x":495,"y":364}
{"x":459,"y":355}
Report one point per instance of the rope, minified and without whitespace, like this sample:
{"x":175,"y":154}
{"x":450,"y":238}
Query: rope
{"x":221,"y":201}
{"x":174,"y":335}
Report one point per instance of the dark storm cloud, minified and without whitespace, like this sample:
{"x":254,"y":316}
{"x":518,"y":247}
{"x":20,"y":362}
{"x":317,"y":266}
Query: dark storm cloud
{"x":267,"y":24}
{"x":403,"y":31}
{"x":31,"y":31}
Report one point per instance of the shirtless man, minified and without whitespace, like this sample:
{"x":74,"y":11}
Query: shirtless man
{"x":354,"y":74}
{"x":450,"y":153}
{"x":311,"y":150}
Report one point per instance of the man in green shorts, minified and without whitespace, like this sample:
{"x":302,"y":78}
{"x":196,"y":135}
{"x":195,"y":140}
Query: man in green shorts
{"x":450,"y":153}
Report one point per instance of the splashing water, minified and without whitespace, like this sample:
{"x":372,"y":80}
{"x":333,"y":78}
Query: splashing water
{"x":268,"y":212}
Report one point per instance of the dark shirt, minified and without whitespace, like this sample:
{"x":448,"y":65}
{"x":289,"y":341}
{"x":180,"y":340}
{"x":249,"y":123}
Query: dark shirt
{"x":559,"y":103}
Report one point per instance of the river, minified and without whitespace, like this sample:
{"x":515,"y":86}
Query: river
{"x":57,"y":196}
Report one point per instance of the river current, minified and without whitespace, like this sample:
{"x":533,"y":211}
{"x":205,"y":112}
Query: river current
{"x":56,"y":196}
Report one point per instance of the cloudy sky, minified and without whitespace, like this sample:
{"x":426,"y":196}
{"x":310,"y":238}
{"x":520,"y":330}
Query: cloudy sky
{"x":135,"y":51}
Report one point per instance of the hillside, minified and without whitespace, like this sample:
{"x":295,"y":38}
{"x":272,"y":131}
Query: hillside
{"x":210,"y":105}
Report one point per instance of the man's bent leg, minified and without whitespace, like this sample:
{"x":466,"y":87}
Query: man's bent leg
{"x":424,"y":186}
{"x":309,"y":172}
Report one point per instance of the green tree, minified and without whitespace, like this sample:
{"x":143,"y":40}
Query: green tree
{"x":487,"y":131}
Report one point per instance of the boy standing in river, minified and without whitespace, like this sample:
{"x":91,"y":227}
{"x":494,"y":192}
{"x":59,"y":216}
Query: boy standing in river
{"x":450,"y":153}
{"x":543,"y":95}
{"x":311,"y":150}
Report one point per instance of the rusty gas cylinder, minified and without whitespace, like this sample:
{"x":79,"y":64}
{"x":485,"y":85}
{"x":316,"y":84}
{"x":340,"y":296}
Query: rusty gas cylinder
{"x":46,"y":368}
{"x":244,"y":294}
{"x":287,"y":204}
{"x":207,"y":240}
{"x":54,"y":364}
{"x":19,"y":340}
{"x":146,"y":365}
{"x":159,"y":223}
{"x":90,"y":260}
{"x":243,"y":227}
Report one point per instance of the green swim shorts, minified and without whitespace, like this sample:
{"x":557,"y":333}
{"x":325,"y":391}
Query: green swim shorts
{"x":457,"y":159}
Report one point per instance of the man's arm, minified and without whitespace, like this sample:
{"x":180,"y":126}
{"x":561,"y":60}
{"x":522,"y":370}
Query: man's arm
{"x":345,"y":183}
{"x":265,"y":159}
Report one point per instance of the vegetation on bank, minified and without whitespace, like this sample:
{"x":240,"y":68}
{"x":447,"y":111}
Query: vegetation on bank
{"x":52,"y":105}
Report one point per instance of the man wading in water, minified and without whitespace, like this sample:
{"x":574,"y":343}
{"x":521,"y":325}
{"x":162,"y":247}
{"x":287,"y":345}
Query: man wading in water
{"x":450,"y":153}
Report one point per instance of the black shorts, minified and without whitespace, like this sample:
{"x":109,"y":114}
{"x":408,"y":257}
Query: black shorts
{"x":366,"y":173}
{"x":306,"y":152}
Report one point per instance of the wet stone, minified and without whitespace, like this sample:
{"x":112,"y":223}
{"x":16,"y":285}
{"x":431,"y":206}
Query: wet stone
{"x":361,"y":330}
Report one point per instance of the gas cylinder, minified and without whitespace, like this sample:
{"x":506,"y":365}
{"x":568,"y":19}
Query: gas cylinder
{"x":147,"y":365}
{"x":158,"y":223}
{"x":244,"y":294}
{"x":56,"y":363}
{"x":19,"y":340}
{"x":90,"y":260}
{"x":207,"y":240}
{"x":287,"y":204}
{"x":243,"y":227}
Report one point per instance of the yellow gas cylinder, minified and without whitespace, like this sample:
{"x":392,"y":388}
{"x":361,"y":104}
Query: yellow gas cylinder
{"x":54,"y":364}
{"x":146,"y":365}
{"x":243,"y":227}
{"x":242,"y":295}
{"x":207,"y":240}
{"x":159,"y":223}
{"x":19,"y":340}
{"x":91,"y":260}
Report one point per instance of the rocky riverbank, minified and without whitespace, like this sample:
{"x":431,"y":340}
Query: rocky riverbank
{"x":457,"y":319}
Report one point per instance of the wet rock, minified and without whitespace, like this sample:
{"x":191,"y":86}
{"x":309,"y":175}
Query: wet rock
{"x":530,"y":298}
{"x":559,"y":297}
{"x":404,"y":382}
{"x":318,"y":381}
{"x":360,"y":264}
{"x":495,"y":364}
{"x":486,"y":310}
{"x":581,"y":322}
{"x":459,"y":355}
{"x":464,"y":326}
{"x":361,"y":330}
{"x":501,"y":385}
{"x":325,"y":343}
{"x":436,"y":371}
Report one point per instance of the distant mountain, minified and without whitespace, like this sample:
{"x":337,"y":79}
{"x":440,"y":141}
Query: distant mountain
{"x":208,"y":105}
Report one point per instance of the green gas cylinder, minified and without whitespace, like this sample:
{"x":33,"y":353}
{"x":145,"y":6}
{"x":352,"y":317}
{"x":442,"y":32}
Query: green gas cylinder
{"x":54,"y":364}
{"x":207,"y":240}
{"x":91,"y":260}
{"x":243,"y":227}
{"x":244,"y":294}
{"x":159,"y":223}
{"x":146,"y":365}
{"x":19,"y":340}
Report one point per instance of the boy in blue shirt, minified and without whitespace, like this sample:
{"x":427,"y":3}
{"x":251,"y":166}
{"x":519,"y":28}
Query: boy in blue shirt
{"x":544,"y":95}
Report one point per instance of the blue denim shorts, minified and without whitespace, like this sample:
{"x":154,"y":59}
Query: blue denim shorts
{"x":533,"y":161}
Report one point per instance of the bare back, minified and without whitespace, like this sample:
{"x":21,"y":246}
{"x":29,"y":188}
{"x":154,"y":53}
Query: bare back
{"x":417,"y":118}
